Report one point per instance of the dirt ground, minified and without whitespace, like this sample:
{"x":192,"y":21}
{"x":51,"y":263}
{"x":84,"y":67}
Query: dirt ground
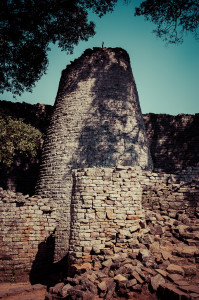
{"x":40,"y":293}
{"x":21,"y":291}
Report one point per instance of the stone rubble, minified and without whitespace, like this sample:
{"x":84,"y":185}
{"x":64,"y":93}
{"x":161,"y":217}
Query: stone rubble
{"x":110,"y":208}
{"x":163,"y":265}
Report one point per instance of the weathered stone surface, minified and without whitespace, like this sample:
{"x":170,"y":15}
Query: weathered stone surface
{"x":137,"y":277}
{"x":175,"y":277}
{"x":189,"y":269}
{"x":65,"y":289}
{"x":131,"y":282}
{"x":106,"y":140}
{"x":194,"y":296}
{"x":78,"y":293}
{"x":111,"y":290}
{"x":175,"y":269}
{"x":156,"y":281}
{"x":120,"y":277}
{"x":102,"y":286}
{"x":166,"y":254}
{"x":130,"y":274}
{"x":190,"y":288}
{"x":162,"y":272}
{"x":146,"y":257}
{"x":186,"y":251}
{"x":169,"y":291}
{"x":58,"y":288}
{"x":106,"y":237}
{"x":107,"y":263}
{"x":79,"y":269}
{"x":25,"y":230}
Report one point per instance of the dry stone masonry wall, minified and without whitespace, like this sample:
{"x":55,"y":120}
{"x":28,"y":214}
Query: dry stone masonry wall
{"x":172,"y":194}
{"x":168,"y":153}
{"x":106,"y":210}
{"x":173,"y":140}
{"x":96,"y":183}
{"x":26,"y":234}
{"x":22,"y":175}
{"x":97,"y":122}
{"x":107,"y":205}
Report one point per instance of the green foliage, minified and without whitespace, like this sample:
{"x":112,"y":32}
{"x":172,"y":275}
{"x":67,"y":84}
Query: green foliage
{"x":173,"y":18}
{"x":26,"y":29}
{"x":17,"y":139}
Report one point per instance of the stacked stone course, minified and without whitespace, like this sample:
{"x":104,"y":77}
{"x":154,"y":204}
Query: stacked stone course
{"x":26,"y":223}
{"x":171,"y":193}
{"x":22,"y":175}
{"x":97,"y":122}
{"x":107,"y":205}
{"x":164,"y":260}
{"x":106,"y":209}
{"x":173,"y":140}
{"x":96,"y":180}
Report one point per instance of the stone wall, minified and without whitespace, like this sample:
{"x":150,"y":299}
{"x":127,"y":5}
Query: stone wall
{"x":27,"y":226}
{"x":97,"y":125}
{"x":38,"y":115}
{"x":105,"y":209}
{"x":97,"y":122}
{"x":173,"y":140}
{"x":22,"y":175}
{"x":107,"y":205}
{"x":172,"y":194}
{"x":108,"y":209}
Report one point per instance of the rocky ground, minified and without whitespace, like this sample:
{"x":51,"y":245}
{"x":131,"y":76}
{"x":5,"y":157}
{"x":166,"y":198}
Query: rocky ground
{"x":162,"y":263}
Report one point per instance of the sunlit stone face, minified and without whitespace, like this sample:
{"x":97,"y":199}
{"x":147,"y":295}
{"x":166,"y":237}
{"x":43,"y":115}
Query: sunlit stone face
{"x":97,"y":122}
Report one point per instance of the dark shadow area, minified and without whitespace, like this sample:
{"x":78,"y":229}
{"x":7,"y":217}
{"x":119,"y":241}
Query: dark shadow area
{"x":191,"y":195}
{"x":43,"y":269}
{"x":38,"y":115}
{"x":188,"y":192}
{"x":173,"y":140}
{"x":22,"y":175}
{"x":114,"y":131}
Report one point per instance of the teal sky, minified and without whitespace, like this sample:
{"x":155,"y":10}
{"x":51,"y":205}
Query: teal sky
{"x":167,"y":78}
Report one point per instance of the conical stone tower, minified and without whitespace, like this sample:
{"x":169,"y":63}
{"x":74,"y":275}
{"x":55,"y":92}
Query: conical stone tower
{"x":97,"y":122}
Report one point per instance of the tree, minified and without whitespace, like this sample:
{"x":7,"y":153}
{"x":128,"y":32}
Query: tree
{"x":27,"y":27}
{"x":17,"y":139}
{"x":173,"y":18}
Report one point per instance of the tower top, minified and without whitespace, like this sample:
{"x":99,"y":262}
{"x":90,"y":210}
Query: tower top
{"x":97,"y":122}
{"x":120,"y":53}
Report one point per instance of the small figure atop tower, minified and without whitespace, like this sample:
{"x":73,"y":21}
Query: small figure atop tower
{"x":97,"y":122}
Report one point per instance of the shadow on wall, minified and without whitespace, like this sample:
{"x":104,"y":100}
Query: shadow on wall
{"x":173,"y":141}
{"x":43,"y":269}
{"x":190,"y":191}
{"x":21,"y":177}
{"x":113,"y":133}
{"x":183,"y":197}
